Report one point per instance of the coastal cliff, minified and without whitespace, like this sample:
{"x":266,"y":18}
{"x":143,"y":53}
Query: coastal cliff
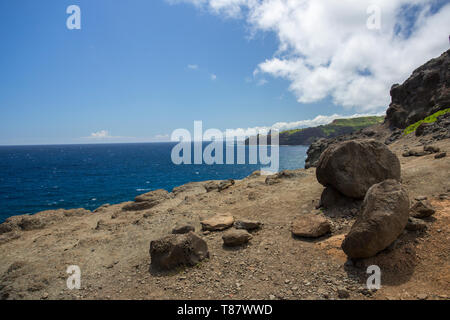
{"x":293,"y":235}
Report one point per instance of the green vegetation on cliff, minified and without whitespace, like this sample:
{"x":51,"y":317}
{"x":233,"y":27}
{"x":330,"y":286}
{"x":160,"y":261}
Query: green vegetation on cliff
{"x":338,"y":127}
{"x":306,"y":136}
{"x":430,"y":119}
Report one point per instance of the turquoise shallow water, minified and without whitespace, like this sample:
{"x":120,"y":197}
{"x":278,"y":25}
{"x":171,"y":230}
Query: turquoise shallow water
{"x":37,"y":178}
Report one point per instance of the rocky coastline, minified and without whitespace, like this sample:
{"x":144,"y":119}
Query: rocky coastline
{"x":363,"y":199}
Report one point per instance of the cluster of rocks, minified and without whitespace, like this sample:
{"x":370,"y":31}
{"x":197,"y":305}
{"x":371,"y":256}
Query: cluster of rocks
{"x":219,"y":186}
{"x":184,"y":248}
{"x":438,"y":130}
{"x":428,"y":149}
{"x":365,"y":169}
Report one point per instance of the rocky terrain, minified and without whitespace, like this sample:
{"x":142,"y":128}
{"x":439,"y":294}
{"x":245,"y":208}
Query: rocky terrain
{"x":284,"y":255}
{"x":376,"y":197}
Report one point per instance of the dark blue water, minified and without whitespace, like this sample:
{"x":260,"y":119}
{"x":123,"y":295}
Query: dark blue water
{"x":37,"y":178}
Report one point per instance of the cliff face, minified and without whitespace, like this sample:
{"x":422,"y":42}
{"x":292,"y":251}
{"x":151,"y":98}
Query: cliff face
{"x":425,"y":92}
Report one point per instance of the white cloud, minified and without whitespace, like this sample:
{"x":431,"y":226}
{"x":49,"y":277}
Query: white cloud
{"x":213,"y":77}
{"x":326,"y":50}
{"x":102,"y":134}
{"x":192,"y":66}
{"x":105,"y":135}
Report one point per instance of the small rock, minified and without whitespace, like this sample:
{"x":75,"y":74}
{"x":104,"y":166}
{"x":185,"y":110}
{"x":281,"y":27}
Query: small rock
{"x":422,"y":209}
{"x":218,"y":222}
{"x":343,"y":294}
{"x":183,"y":229}
{"x":273,"y":179}
{"x":236,"y":237}
{"x":415,"y":224}
{"x":444,"y":196}
{"x":247,"y":224}
{"x":252,"y":196}
{"x":211,"y":186}
{"x":225,"y":184}
{"x":431,"y":149}
{"x":422,"y":296}
{"x":178,"y":249}
{"x":440,"y":155}
{"x":310,"y":226}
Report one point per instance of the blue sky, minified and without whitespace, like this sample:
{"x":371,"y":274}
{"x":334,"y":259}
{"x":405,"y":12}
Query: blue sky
{"x":140,"y":69}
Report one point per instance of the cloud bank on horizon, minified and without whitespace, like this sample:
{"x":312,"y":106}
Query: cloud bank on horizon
{"x":327,"y":50}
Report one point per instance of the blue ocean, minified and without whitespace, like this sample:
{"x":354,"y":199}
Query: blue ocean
{"x":37,"y":178}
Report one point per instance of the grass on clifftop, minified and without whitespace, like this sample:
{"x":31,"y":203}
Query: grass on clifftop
{"x":429,"y":119}
{"x":356,"y":123}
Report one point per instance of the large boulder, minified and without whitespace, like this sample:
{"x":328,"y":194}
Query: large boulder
{"x":384,"y":215}
{"x":352,"y":167}
{"x":178,"y":249}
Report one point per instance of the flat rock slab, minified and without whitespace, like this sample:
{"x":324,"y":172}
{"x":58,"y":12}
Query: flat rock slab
{"x":218,"y":222}
{"x":178,"y":249}
{"x":235,"y":237}
{"x":310,"y":226}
